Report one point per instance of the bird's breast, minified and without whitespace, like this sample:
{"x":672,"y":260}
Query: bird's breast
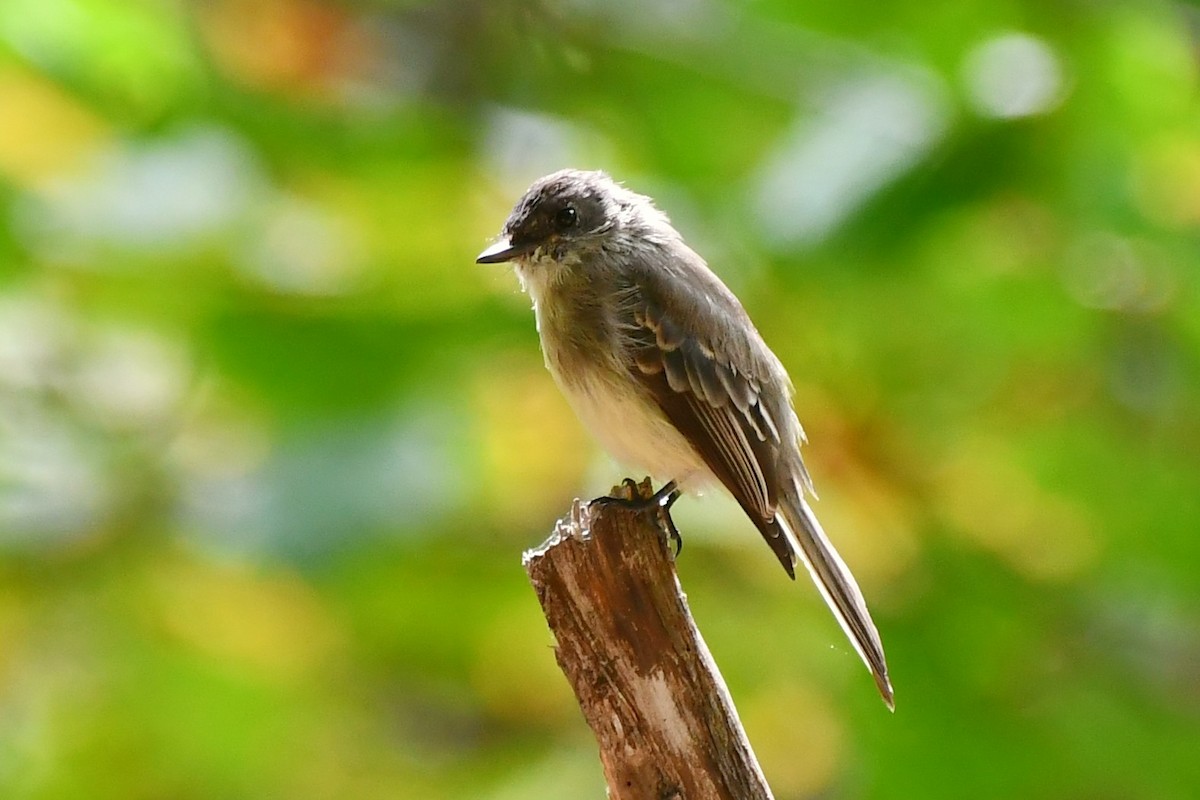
{"x":586,"y":356}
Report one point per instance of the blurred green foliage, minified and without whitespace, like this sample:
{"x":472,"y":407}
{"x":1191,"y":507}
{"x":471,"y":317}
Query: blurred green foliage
{"x":271,"y":444}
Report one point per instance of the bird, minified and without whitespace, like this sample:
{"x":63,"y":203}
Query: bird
{"x":661,"y":362}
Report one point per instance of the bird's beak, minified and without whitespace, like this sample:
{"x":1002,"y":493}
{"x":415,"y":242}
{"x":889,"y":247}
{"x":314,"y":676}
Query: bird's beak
{"x":503,"y":250}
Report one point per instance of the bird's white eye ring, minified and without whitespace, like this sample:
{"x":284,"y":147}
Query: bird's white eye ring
{"x":566,"y":217}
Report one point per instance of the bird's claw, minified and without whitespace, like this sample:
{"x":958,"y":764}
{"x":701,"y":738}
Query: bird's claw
{"x":642,"y":497}
{"x":664,"y":516}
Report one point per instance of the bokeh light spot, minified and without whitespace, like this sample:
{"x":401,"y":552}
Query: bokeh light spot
{"x":1013,"y":75}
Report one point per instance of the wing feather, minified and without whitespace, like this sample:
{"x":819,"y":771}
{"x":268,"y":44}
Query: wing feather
{"x":717,"y":408}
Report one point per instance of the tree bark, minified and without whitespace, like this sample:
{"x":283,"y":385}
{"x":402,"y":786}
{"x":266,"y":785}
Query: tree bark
{"x":641,"y":672}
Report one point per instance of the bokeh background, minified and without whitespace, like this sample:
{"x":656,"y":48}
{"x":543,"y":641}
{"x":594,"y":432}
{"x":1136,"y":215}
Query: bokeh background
{"x":271,"y":444}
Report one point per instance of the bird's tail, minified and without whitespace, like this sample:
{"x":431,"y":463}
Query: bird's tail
{"x":837,"y":585}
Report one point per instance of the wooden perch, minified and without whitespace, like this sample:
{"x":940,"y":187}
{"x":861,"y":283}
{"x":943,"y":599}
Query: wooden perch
{"x":644,"y":678}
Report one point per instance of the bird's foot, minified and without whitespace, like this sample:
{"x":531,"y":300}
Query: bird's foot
{"x":664,"y":517}
{"x":642,"y":497}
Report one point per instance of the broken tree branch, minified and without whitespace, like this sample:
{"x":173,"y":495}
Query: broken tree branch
{"x":641,"y":672}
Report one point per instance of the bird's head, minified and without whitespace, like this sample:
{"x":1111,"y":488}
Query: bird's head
{"x":565,"y":216}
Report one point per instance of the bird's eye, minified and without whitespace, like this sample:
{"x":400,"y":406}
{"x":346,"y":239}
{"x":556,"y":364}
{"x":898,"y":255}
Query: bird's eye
{"x":566,"y":217}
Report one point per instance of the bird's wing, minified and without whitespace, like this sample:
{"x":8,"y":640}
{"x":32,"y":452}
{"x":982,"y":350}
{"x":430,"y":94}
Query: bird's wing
{"x":720,"y":408}
{"x":739,"y":419}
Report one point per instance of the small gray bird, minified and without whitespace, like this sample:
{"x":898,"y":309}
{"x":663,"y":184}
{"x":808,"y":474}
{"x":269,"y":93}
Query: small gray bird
{"x":663,"y":365}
